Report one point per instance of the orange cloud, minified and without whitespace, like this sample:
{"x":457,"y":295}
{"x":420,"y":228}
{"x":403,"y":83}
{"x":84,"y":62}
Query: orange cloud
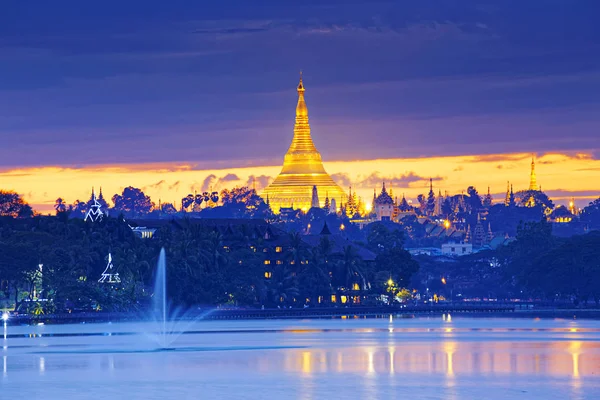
{"x":561,"y":174}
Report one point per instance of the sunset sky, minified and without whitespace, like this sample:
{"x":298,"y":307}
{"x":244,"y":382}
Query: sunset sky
{"x":175,"y":96}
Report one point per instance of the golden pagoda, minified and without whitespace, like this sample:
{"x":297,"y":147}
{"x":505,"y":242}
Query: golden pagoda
{"x":532,"y":179}
{"x":302,"y":169}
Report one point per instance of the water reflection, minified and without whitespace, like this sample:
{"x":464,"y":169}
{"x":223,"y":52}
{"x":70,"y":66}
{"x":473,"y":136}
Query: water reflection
{"x":575,"y":359}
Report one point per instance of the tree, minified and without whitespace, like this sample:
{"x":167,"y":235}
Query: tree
{"x":571,"y":269}
{"x":422,"y":203}
{"x":168,"y":208}
{"x":243,"y":203}
{"x":12,"y":205}
{"x":430,"y":207}
{"x":474,"y":200}
{"x":590,"y":215}
{"x":132,"y":202}
{"x":520,"y":257}
{"x":447,"y":208}
{"x":349,"y":270}
{"x":60,"y":205}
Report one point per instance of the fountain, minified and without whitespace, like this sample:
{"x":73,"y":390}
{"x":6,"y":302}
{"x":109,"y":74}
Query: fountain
{"x":168,"y":323}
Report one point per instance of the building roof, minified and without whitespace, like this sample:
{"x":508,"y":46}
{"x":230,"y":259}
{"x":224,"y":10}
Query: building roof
{"x":384,"y":198}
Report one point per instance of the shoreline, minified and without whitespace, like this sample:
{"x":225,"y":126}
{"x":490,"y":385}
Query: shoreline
{"x":321,"y":313}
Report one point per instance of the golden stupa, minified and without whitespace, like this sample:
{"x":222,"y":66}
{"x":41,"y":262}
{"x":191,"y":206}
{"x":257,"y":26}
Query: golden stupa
{"x":302,"y":169}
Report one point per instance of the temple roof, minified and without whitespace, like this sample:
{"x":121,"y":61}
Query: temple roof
{"x":384,"y":198}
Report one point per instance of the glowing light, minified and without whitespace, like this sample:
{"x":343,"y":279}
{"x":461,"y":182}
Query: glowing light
{"x":369,"y":207}
{"x":444,"y":280}
{"x":446,"y":224}
{"x":5,"y":317}
{"x":390,"y":282}
{"x":342,"y":227}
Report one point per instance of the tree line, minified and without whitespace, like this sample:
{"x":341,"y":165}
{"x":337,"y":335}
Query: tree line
{"x":60,"y":260}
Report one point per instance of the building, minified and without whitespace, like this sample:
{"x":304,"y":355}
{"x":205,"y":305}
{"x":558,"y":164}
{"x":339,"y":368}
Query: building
{"x":457,"y":249}
{"x":384,"y":205}
{"x":302,"y":169}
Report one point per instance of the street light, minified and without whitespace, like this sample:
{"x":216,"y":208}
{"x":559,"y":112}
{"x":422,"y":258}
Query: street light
{"x":451,"y":289}
{"x":392,"y":289}
{"x":5,"y":317}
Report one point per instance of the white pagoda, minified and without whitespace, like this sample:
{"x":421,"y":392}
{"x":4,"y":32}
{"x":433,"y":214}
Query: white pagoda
{"x":95,"y":212}
{"x":108,"y":276}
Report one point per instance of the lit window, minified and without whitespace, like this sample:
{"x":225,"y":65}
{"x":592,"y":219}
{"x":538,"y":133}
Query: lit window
{"x":268,"y":275}
{"x":333,"y":298}
{"x":278,"y":249}
{"x":344,"y":299}
{"x":355,"y":286}
{"x":267,"y":262}
{"x":279,"y":262}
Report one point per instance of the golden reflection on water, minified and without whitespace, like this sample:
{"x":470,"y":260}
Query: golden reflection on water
{"x":575,"y":359}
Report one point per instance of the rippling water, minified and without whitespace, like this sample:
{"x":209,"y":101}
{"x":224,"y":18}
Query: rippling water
{"x":422,"y":358}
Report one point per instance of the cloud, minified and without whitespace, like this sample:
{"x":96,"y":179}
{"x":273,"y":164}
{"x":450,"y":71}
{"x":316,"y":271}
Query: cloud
{"x":261,"y":181}
{"x":213,"y":183}
{"x":156,"y":186}
{"x":229,"y":178}
{"x":209,"y":183}
{"x":401,"y":181}
{"x":578,"y":194}
{"x":175,"y":186}
{"x":499,"y":157}
{"x":342,"y":179}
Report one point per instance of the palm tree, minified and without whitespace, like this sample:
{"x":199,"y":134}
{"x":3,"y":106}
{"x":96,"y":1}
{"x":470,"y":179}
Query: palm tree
{"x":60,"y":205}
{"x":213,"y":251}
{"x":349,"y":270}
{"x":298,"y":253}
{"x":282,"y":287}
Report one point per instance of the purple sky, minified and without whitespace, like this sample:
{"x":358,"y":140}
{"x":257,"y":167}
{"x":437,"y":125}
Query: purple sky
{"x":130,"y":82}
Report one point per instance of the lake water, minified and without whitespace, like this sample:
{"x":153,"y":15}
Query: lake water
{"x":420,"y":358}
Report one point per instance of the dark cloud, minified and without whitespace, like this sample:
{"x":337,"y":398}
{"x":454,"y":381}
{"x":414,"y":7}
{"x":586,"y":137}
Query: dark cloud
{"x":191,"y":81}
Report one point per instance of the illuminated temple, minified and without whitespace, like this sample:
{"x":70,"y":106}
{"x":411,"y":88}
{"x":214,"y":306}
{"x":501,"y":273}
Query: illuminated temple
{"x":302,"y":169}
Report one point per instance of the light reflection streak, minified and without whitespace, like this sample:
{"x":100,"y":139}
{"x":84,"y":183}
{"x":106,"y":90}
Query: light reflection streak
{"x":576,"y":382}
{"x":392,"y":352}
{"x":42,"y":365}
{"x":4,"y":367}
{"x":370,"y":361}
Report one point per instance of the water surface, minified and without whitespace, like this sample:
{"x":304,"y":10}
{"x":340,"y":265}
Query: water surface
{"x":422,"y":358}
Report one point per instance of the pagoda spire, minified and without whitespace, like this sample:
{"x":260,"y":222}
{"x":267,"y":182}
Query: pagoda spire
{"x":507,"y":198}
{"x":302,"y":166}
{"x":315,"y":197}
{"x":533,"y":180}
